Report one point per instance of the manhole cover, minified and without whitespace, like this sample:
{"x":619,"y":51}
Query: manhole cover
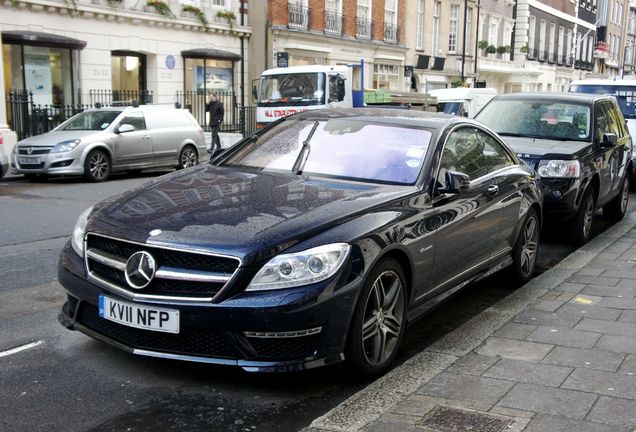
{"x":446,"y":419}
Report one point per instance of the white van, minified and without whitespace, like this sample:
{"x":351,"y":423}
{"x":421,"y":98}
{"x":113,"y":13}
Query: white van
{"x":99,"y":141}
{"x":463,"y":101}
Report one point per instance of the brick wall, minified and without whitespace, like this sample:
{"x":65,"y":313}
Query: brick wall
{"x":349,"y":10}
{"x":277,"y":12}
{"x":317,"y":15}
{"x":377,"y":16}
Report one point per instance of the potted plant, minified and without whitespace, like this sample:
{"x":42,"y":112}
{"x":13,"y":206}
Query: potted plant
{"x":491,"y":49}
{"x":482,"y":44}
{"x":524,"y":49}
{"x":161,"y":7}
{"x":228,"y":16}
{"x":457,"y":83}
{"x":198,"y":13}
{"x":501,"y":50}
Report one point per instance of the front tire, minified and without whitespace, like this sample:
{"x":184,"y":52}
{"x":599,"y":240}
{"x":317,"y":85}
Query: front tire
{"x":580,"y":229}
{"x":615,"y":210}
{"x":97,"y":166}
{"x":188,"y":157}
{"x":379,"y":319}
{"x":524,"y":254}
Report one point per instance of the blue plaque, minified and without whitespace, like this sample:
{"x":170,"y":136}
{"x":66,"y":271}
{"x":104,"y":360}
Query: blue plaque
{"x":170,"y":61}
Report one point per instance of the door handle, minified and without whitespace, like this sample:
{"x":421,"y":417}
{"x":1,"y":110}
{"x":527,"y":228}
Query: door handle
{"x":493,"y":190}
{"x":146,"y":137}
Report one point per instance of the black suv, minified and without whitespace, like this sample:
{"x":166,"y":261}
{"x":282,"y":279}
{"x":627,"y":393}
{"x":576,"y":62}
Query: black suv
{"x":578,"y":144}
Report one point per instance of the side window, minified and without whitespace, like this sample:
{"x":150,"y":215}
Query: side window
{"x":601,"y":126}
{"x":135,"y":119}
{"x":614,"y":120}
{"x":336,"y":88}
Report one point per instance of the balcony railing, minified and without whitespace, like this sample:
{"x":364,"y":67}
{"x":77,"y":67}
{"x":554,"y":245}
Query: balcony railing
{"x":363,"y":28}
{"x":298,"y":16}
{"x":390,"y":33}
{"x":543,"y":56}
{"x":333,"y":22}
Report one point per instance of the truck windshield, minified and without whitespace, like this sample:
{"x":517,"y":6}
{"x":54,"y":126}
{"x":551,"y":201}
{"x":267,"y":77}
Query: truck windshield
{"x":452,"y":107}
{"x":625,"y":95}
{"x":295,"y":89}
{"x":361,"y":149}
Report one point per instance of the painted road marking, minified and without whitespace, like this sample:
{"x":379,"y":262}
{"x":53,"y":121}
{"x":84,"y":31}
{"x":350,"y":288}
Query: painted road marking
{"x":20,"y":348}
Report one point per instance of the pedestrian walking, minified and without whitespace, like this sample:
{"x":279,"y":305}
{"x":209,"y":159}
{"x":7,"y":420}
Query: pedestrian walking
{"x":215,"y":107}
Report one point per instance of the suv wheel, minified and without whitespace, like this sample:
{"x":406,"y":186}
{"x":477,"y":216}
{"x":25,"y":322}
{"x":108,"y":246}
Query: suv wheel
{"x":615,"y":210}
{"x":524,"y":254}
{"x":379,"y":319}
{"x":581,"y":227}
{"x":188,"y":157}
{"x":97,"y":166}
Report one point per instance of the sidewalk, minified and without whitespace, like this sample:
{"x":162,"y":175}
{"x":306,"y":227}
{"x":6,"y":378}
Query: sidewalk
{"x":558,"y":354}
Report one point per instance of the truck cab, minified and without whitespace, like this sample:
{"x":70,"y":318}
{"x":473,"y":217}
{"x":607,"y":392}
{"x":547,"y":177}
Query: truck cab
{"x":466,"y":102}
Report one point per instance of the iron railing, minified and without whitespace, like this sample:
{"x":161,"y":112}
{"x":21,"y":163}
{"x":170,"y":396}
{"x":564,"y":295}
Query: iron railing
{"x":363,"y":28}
{"x":120,"y":97}
{"x":195,"y":101}
{"x":333,"y":22}
{"x":298,"y":16}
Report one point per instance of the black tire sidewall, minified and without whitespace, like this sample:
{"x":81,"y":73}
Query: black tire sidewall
{"x":613,"y":210}
{"x":519,"y":277}
{"x":355,"y":349}
{"x":576,"y":235}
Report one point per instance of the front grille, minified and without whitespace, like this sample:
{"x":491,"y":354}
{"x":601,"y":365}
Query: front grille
{"x":184,"y":263}
{"x":32,"y":166}
{"x":189,"y":341}
{"x":284,"y":348}
{"x":34,"y":150}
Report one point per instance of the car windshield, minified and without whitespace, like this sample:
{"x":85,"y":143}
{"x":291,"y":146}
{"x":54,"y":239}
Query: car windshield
{"x":90,"y":120}
{"x":538,"y":119}
{"x":356,"y":149}
{"x":625,"y":95}
{"x":292,"y":89}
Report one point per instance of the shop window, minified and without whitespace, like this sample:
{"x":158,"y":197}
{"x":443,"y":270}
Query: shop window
{"x":207,"y":75}
{"x":386,"y":76}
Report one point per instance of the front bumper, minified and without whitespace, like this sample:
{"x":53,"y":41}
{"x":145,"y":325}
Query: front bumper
{"x":561,"y":198}
{"x":258,"y":331}
{"x":68,"y":163}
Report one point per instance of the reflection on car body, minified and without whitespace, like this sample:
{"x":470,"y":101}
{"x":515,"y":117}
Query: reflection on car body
{"x":316,"y":240}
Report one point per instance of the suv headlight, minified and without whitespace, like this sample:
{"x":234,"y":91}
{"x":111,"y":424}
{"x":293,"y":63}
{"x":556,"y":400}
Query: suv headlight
{"x":559,"y":168}
{"x":301,"y":268}
{"x":65,"y":146}
{"x":77,"y":239}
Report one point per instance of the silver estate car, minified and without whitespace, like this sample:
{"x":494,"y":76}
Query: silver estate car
{"x":97,"y":142}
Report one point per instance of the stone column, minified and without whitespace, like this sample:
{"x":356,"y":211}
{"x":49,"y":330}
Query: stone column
{"x":9,"y":137}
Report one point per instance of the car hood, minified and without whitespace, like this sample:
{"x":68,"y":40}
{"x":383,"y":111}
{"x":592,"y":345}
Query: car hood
{"x":251,"y":215}
{"x":541,"y":147}
{"x":53,"y":137}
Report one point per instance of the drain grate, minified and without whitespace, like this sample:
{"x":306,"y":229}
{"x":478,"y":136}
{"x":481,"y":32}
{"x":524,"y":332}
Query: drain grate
{"x":446,"y":419}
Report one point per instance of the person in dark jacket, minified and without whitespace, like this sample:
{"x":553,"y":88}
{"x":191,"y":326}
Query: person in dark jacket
{"x":215,"y":107}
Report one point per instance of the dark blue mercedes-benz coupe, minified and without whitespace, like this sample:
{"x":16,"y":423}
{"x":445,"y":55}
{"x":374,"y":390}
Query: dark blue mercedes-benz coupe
{"x":317,"y":239}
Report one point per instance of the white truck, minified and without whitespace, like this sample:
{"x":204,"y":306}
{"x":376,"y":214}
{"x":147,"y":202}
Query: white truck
{"x":285,"y":91}
{"x":463,"y":101}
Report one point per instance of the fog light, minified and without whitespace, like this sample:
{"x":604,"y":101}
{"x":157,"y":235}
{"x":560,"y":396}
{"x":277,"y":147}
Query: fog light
{"x":557,"y":194}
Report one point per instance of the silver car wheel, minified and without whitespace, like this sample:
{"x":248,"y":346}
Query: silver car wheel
{"x":188,"y":158}
{"x":589,"y":215}
{"x":98,"y":166}
{"x":529,"y":246}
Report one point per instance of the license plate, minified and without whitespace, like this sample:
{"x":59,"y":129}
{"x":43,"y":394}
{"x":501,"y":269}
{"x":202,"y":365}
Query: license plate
{"x":29,"y":160}
{"x":138,"y":316}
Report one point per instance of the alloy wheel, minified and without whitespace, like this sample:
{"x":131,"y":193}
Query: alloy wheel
{"x":188,"y":158}
{"x":529,"y":246}
{"x":589,"y":214}
{"x":98,"y":166}
{"x":383,"y":316}
{"x":625,"y":195}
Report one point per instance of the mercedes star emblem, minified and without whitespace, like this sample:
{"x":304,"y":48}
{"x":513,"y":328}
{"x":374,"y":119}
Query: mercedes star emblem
{"x":140,"y":269}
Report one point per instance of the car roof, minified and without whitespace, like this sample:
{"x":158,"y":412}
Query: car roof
{"x":556,"y":97}
{"x":128,"y":107}
{"x":398,"y":117}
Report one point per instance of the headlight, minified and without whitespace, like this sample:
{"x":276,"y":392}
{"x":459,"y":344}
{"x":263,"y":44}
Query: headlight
{"x":559,"y":168}
{"x":77,"y":239}
{"x":301,"y":268}
{"x":65,"y":146}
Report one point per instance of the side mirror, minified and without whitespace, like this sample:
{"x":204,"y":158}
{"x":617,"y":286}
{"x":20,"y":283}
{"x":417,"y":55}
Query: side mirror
{"x":609,"y":140}
{"x":123,"y":128}
{"x":456,"y":182}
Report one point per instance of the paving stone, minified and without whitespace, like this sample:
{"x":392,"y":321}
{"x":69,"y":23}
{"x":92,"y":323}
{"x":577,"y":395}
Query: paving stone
{"x":627,"y":316}
{"x":618,"y":303}
{"x":571,"y":287}
{"x":589,"y":311}
{"x":627,"y":283}
{"x":613,"y":291}
{"x":620,"y":344}
{"x":549,"y":400}
{"x":614,"y":411}
{"x":511,"y":412}
{"x":591,"y":359}
{"x":514,"y":349}
{"x":564,"y":336}
{"x":546,"y":318}
{"x":606,"y":327}
{"x":620,"y":274}
{"x":469,"y":388}
{"x":415,"y":405}
{"x":546,"y":305}
{"x":601,"y":382}
{"x":392,"y":426}
{"x":549,"y":423}
{"x":591,"y":271}
{"x":597,"y":280}
{"x":514,"y":330}
{"x":527,"y":372}
{"x":402,"y":419}
{"x":628,"y":366}
{"x":472,"y":364}
{"x":613,"y":264}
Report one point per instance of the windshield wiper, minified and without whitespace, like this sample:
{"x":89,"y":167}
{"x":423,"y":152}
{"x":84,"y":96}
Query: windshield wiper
{"x":304,"y":151}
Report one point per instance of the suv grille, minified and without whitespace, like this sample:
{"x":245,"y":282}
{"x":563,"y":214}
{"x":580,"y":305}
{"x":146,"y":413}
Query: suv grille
{"x":182,"y":274}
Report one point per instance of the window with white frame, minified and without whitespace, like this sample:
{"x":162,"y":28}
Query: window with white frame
{"x":568,"y":46}
{"x":386,"y":76}
{"x":419,"y":37}
{"x":552,"y":40}
{"x":390,"y":12}
{"x":542,"y":33}
{"x":221,"y":3}
{"x":469,"y":28}
{"x":493,"y":30}
{"x":618,"y":44}
{"x":333,"y":6}
{"x":620,"y":15}
{"x":507,"y":36}
{"x":560,"y":43}
{"x":531,"y":29}
{"x":437,"y":10}
{"x":590,"y":48}
{"x":452,"y":29}
{"x":579,"y":47}
{"x":364,"y":9}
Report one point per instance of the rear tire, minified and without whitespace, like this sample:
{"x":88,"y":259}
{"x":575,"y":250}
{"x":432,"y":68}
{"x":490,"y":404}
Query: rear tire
{"x":97,"y":166}
{"x":615,"y":210}
{"x":580,"y":229}
{"x":379,"y":320}
{"x":188,"y":157}
{"x":524,"y":254}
